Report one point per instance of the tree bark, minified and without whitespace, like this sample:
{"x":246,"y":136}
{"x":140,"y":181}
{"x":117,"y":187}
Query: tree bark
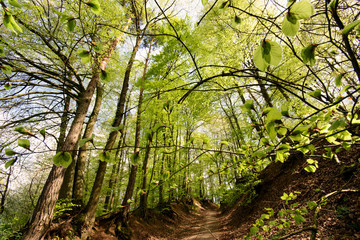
{"x":78,"y":187}
{"x":90,"y":211}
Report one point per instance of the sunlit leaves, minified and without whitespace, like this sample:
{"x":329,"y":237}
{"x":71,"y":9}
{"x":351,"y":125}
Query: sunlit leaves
{"x":6,"y":69}
{"x":316,"y":93}
{"x":290,"y":25}
{"x":274,"y":115}
{"x":62,"y":159}
{"x":85,"y":140}
{"x":10,"y":163}
{"x":299,"y":219}
{"x":94,"y":6}
{"x":10,"y":23}
{"x":299,"y":10}
{"x":25,"y":143}
{"x":84,"y":55}
{"x":15,"y":3}
{"x":268,"y":53}
{"x":9,"y":152}
{"x":270,"y":128}
{"x":104,"y":75}
{"x":337,"y":123}
{"x":308,"y":54}
{"x":2,"y":52}
{"x":348,"y":28}
{"x":249,"y":104}
{"x":104,"y":156}
{"x":338,"y":79}
{"x":204,"y":2}
{"x":302,"y":10}
{"x":310,"y":168}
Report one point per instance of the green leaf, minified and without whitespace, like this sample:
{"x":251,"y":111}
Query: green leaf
{"x":85,"y":140}
{"x":62,"y":159}
{"x":348,"y":28}
{"x":2,"y":52}
{"x":224,"y":4}
{"x":11,"y":24}
{"x":24,"y":131}
{"x":84,"y":55}
{"x":270,"y":128}
{"x":299,"y":219}
{"x":249,"y":104}
{"x":104,"y":75}
{"x":104,"y":156}
{"x":15,"y":3}
{"x":308,"y":54}
{"x":204,"y":2}
{"x":9,"y":152}
{"x":300,"y":129}
{"x":267,"y":53}
{"x":310,"y":168}
{"x":312,"y":204}
{"x":9,"y":163}
{"x":71,"y":23}
{"x":285,"y":111}
{"x":302,"y":10}
{"x":25,"y":143}
{"x":338,"y":79}
{"x":337,"y":123}
{"x":6,"y":69}
{"x":43,"y":132}
{"x":290,"y":25}
{"x":274,"y":115}
{"x":135,"y":159}
{"x":7,"y":86}
{"x":112,"y":129}
{"x":237,"y":19}
{"x":282,"y":131}
{"x":332,"y":5}
{"x":254,"y":230}
{"x":316,"y":93}
{"x":94,"y":6}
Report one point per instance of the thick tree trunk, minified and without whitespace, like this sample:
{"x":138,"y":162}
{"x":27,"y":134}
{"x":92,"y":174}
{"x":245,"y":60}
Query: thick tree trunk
{"x":78,"y":187}
{"x":90,"y":211}
{"x":44,"y":210}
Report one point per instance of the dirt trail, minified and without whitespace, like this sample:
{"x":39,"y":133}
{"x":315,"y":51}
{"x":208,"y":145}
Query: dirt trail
{"x":203,"y":227}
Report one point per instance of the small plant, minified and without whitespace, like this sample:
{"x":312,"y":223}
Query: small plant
{"x":64,"y":205}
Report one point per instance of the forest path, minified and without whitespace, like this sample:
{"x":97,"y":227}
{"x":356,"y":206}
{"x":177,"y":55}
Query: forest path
{"x":203,"y":227}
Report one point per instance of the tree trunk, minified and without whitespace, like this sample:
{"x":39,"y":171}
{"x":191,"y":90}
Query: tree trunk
{"x":44,"y":210}
{"x":90,"y":211}
{"x":78,"y":187}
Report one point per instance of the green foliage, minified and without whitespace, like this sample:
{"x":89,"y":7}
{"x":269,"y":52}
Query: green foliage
{"x":348,"y":28}
{"x":10,"y":23}
{"x":94,"y":6}
{"x":10,"y":163}
{"x":302,"y":10}
{"x":290,"y":25}
{"x":84,"y":55}
{"x":62,"y":159}
{"x":15,"y":3}
{"x":85,"y":140}
{"x":308,"y":54}
{"x":6,"y":69}
{"x":9,"y":152}
{"x":25,"y":143}
{"x":64,"y":205}
{"x":268,"y":53}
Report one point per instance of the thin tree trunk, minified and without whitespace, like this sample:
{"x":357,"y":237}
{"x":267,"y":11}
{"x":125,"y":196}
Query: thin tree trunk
{"x":90,"y":211}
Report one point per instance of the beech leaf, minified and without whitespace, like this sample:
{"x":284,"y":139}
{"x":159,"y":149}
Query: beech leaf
{"x":302,"y":10}
{"x":308,"y":54}
{"x":94,"y":6}
{"x":9,"y":152}
{"x":62,"y":159}
{"x":25,"y":143}
{"x":15,"y":3}
{"x":267,"y":53}
{"x":348,"y":28}
{"x":10,"y":163}
{"x":290,"y":25}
